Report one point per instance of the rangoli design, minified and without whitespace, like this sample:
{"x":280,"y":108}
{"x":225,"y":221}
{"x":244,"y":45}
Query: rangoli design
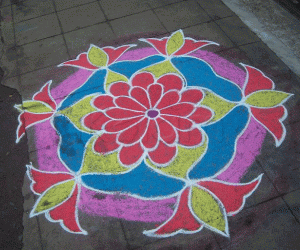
{"x":156,"y":125}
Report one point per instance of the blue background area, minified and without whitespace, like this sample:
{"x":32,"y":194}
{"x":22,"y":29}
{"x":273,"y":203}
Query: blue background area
{"x":222,"y":136}
{"x":142,"y":181}
{"x":199,"y":73}
{"x":72,"y":142}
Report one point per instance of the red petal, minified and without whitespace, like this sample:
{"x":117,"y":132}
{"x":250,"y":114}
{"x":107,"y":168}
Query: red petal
{"x":163,"y":154}
{"x":142,"y":80}
{"x":119,"y":88}
{"x":130,"y":155}
{"x":117,"y":113}
{"x":151,"y":136}
{"x":191,"y":95}
{"x":191,"y":45}
{"x":167,"y":132}
{"x":44,"y":96}
{"x":134,"y":133}
{"x":43,"y":180}
{"x":119,"y":125}
{"x":170,"y":82}
{"x":155,"y":91}
{"x":106,"y":143}
{"x":182,"y":218}
{"x":158,"y":44}
{"x":95,"y":120}
{"x":272,"y":119}
{"x":115,"y":53}
{"x":231,"y":195}
{"x":168,"y":99}
{"x":81,"y":61}
{"x":129,"y":103}
{"x":190,"y":138}
{"x":27,"y":120}
{"x":201,"y":115}
{"x":180,"y":109}
{"x":66,"y":212}
{"x":256,"y":80}
{"x":104,"y":102}
{"x":178,"y":122}
{"x":140,"y":95}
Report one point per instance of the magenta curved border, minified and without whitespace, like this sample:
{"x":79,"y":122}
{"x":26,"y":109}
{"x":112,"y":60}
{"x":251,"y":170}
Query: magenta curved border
{"x":129,"y":208}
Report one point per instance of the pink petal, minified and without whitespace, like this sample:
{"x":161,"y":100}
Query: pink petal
{"x":191,"y":45}
{"x":44,"y":96}
{"x":163,"y":154}
{"x":140,"y":95}
{"x":191,"y":95}
{"x":155,"y":91}
{"x":151,"y":136}
{"x":167,"y":132}
{"x":117,"y":113}
{"x":131,"y":154}
{"x":190,"y":138}
{"x":201,"y":115}
{"x":81,"y":62}
{"x":158,"y":44}
{"x":119,"y":88}
{"x":115,"y":53}
{"x":95,"y":120}
{"x":180,"y":109}
{"x":178,"y":122}
{"x":168,"y":99}
{"x":119,"y":125}
{"x":129,"y":103}
{"x":134,"y":133}
{"x":104,"y":102}
{"x":106,"y":143}
{"x":142,"y":80}
{"x":170,"y":82}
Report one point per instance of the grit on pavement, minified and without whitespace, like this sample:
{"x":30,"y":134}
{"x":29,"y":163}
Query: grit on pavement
{"x":38,"y":35}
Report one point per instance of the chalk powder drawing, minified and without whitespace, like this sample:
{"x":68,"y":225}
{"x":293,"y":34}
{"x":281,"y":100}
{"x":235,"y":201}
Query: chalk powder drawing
{"x":163,"y":128}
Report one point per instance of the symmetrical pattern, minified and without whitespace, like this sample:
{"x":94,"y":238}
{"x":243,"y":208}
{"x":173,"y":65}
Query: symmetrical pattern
{"x":160,"y":127}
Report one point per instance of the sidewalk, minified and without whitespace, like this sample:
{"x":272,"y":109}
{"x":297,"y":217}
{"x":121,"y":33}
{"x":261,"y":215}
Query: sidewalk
{"x":38,"y":35}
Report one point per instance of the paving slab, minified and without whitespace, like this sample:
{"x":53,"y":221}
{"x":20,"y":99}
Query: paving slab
{"x":66,"y":4}
{"x":216,"y":9}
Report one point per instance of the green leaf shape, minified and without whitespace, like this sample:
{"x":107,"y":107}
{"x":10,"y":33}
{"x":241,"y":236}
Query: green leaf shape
{"x":114,"y":77}
{"x":35,"y":107}
{"x":162,"y":68}
{"x":175,"y":42}
{"x":219,"y":105}
{"x":185,"y":158}
{"x":54,"y":196}
{"x":267,"y":98}
{"x":99,"y":163}
{"x":77,"y":111}
{"x":97,"y":56}
{"x":207,"y":209}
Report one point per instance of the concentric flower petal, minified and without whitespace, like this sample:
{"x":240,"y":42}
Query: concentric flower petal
{"x":119,"y":88}
{"x":190,"y":138}
{"x":166,"y":131}
{"x":150,"y":138}
{"x":142,"y":80}
{"x":140,"y":95}
{"x":178,"y":122}
{"x":118,"y":113}
{"x":129,"y":103}
{"x":163,"y":154}
{"x":170,"y":82}
{"x":104,"y":102}
{"x":106,"y":143}
{"x":191,"y":95}
{"x":134,"y":133}
{"x":119,"y":125}
{"x":168,"y":99}
{"x":131,"y":155}
{"x":95,"y":120}
{"x":180,"y":109}
{"x":155,"y":92}
{"x":201,"y":115}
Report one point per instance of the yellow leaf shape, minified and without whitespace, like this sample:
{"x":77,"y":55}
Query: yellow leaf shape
{"x":185,"y":158}
{"x":207,"y":209}
{"x":114,"y":77}
{"x":175,"y":42}
{"x":162,"y":68}
{"x":54,"y":196}
{"x":77,"y":111}
{"x":36,"y":107}
{"x":267,"y":98}
{"x":219,"y":105}
{"x":99,"y":163}
{"x":97,"y":56}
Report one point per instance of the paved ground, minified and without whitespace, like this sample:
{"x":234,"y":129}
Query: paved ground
{"x":37,"y":35}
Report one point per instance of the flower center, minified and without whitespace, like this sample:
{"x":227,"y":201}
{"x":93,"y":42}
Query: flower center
{"x":152,"y":113}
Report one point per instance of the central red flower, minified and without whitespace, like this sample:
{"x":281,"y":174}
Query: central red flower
{"x":148,"y":117}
